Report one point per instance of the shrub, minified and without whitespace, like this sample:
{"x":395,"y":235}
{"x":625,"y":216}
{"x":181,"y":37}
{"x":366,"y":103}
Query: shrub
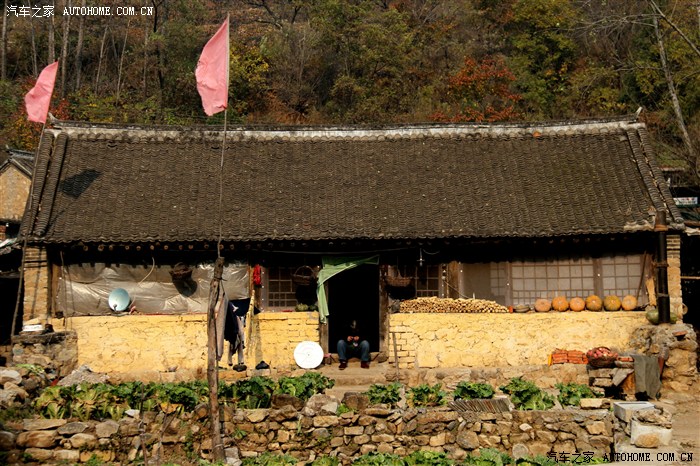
{"x":473,"y":390}
{"x":526,"y":395}
{"x":570,"y":394}
{"x":384,"y":394}
{"x":426,"y":395}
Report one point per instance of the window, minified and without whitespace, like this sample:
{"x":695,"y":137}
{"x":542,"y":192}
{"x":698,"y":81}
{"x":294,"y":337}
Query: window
{"x":281,"y":291}
{"x":426,"y":278}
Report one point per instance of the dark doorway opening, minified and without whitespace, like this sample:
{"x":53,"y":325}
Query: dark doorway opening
{"x":9,"y":287}
{"x":354,"y":295}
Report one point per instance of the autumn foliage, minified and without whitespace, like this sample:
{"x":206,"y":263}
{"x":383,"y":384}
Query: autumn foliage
{"x":480,"y":92}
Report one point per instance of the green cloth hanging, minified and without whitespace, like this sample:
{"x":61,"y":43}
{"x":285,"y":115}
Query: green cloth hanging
{"x":333,"y":266}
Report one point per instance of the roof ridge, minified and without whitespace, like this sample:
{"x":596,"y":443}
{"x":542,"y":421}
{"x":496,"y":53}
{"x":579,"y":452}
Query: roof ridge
{"x":389,"y":132}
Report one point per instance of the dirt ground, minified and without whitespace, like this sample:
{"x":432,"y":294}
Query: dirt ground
{"x":686,"y":424}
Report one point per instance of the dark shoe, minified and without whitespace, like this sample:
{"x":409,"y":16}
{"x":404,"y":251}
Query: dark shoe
{"x":262,"y":365}
{"x":239,"y":367}
{"x":365,"y":364}
{"x":343,"y":365}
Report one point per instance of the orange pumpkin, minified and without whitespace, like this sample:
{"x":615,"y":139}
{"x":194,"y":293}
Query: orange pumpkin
{"x":612,"y":303}
{"x":629,"y":303}
{"x":543,"y":305}
{"x":560,"y":303}
{"x":594,"y":303}
{"x":577,"y":304}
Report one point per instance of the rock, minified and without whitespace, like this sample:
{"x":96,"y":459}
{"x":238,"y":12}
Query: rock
{"x":325,"y":421}
{"x":67,"y":456}
{"x":43,"y":424}
{"x":73,"y":428}
{"x":106,"y":429}
{"x":10,"y":375}
{"x":592,"y":403}
{"x":83,"y":374}
{"x":356,"y":401}
{"x":82,"y":441}
{"x":596,"y":428}
{"x":316,"y":403}
{"x":37,"y":439}
{"x":39,"y":454}
{"x":525,"y":427}
{"x":354,"y":430}
{"x":377,"y":412}
{"x":283,"y":399}
{"x":285,"y":413}
{"x":436,"y":416}
{"x":255,"y":415}
{"x":647,"y":436}
{"x":133,"y":413}
{"x":330,"y":408}
{"x":7,"y":441}
{"x":467,"y":440}
{"x":17,"y":391}
{"x":519,"y":450}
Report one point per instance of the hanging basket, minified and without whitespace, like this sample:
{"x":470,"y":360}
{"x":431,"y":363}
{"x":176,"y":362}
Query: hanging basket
{"x":304,"y":276}
{"x":398,"y":281}
{"x":181,"y":272}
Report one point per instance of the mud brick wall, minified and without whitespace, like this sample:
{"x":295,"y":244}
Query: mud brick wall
{"x":172,"y":348}
{"x":429,"y":340}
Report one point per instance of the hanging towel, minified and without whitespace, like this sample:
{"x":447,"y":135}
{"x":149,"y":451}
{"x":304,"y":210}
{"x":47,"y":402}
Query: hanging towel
{"x":647,"y":376}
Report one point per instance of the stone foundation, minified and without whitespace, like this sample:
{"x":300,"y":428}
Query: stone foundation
{"x":310,"y":432}
{"x":57,"y":352}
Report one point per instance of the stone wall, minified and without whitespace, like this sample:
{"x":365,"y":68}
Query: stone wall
{"x":428,"y":340}
{"x":310,"y":432}
{"x":57,"y":352}
{"x":677,"y":345}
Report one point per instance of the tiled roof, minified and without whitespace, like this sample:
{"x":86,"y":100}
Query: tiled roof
{"x":23,"y":160}
{"x":140,"y":184}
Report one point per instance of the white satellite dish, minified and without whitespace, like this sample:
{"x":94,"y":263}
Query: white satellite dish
{"x":119,"y":300}
{"x":308,"y":354}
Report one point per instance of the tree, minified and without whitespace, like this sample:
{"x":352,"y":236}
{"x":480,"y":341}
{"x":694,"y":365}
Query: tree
{"x":481,"y":92}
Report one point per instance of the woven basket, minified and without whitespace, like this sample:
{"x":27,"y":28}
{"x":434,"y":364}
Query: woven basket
{"x":304,"y":276}
{"x":398,"y":281}
{"x":603,"y":361}
{"x":181,"y":271}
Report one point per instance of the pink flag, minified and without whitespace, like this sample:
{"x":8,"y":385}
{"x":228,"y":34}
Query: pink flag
{"x":38,"y":98}
{"x":212,"y":72}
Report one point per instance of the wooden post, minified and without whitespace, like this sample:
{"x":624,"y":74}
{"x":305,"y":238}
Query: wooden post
{"x":212,"y":362}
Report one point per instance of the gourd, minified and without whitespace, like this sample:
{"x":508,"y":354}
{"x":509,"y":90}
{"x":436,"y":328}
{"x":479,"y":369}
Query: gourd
{"x":629,"y":303}
{"x":612,"y":303}
{"x":594,"y":303}
{"x":577,"y":304}
{"x":652,"y":315}
{"x":543,"y":305}
{"x":560,"y":303}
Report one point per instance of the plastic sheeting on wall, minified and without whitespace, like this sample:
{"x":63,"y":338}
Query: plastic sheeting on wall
{"x":83,"y":289}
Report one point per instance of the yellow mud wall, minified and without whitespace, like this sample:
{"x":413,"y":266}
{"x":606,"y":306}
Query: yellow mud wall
{"x":497,"y":340}
{"x":174,"y":347}
{"x":14,"y":190}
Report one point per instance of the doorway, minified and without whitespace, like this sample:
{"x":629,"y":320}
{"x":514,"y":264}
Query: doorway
{"x":354,"y":295}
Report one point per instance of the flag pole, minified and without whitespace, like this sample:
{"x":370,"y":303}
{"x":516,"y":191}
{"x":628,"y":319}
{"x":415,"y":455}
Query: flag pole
{"x":216,"y":294}
{"x":20,"y":285}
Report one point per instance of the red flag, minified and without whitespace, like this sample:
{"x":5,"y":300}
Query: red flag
{"x":38,"y":98}
{"x":212,"y":72}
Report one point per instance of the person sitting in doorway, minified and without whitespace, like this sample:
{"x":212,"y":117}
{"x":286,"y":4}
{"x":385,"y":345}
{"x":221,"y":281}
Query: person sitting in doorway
{"x":353,"y":346}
